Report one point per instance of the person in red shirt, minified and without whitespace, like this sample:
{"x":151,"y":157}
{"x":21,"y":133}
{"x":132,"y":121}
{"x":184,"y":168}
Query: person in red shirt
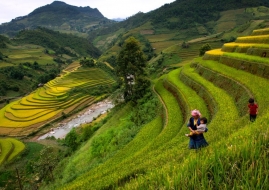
{"x":252,"y":109}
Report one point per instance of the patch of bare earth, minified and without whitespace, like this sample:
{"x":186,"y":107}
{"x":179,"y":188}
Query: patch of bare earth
{"x":146,"y":32}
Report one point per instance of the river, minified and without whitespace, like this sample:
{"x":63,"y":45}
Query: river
{"x":86,"y":116}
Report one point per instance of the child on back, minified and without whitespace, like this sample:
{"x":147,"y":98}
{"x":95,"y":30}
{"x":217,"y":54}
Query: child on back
{"x":252,"y":109}
{"x":200,"y":129}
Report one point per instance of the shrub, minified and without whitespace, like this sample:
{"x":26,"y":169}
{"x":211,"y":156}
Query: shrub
{"x":204,"y":48}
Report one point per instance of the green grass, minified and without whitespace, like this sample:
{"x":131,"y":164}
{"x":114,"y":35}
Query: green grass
{"x":127,"y":167}
{"x":220,"y":96}
{"x":6,"y":150}
{"x":228,"y":163}
{"x":223,"y":100}
{"x":33,"y":150}
{"x":27,"y":53}
{"x":254,"y":83}
{"x":239,"y":92}
{"x":18,"y":148}
{"x":158,"y":157}
{"x":246,"y":57}
{"x":81,"y":159}
{"x":191,"y":98}
{"x":168,"y":176}
{"x":10,"y":148}
{"x":161,"y":175}
{"x":5,"y":64}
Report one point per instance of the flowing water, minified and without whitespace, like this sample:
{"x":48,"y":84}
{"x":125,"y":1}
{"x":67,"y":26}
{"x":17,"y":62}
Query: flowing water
{"x":86,"y":117}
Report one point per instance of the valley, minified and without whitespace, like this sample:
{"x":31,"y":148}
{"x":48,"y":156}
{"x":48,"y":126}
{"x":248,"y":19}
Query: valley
{"x":92,"y":103}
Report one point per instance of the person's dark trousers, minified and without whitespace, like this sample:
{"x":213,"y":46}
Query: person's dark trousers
{"x":252,"y":118}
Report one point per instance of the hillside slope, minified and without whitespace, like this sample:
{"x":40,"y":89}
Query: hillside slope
{"x":59,"y":42}
{"x":185,"y":20}
{"x":219,"y":85}
{"x":58,"y":16}
{"x":70,"y":91}
{"x":37,"y":56}
{"x":183,"y":14}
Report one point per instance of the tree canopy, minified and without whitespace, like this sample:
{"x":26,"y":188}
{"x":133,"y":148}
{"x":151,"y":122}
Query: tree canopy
{"x":205,"y":48}
{"x":87,"y":62}
{"x":131,"y":68}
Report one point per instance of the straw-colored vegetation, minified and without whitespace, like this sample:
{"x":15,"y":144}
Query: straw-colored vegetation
{"x":76,"y":86}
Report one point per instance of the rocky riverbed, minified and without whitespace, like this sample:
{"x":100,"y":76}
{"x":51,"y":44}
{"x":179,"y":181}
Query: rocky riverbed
{"x":86,"y":116}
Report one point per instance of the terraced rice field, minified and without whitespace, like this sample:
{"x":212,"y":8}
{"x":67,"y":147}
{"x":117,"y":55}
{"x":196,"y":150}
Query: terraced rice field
{"x":237,"y":155}
{"x":189,"y":53}
{"x":9,"y":149}
{"x":47,"y":103}
{"x":27,"y":53}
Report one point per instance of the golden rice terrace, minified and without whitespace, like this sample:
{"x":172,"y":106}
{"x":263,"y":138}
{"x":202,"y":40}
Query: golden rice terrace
{"x":51,"y":101}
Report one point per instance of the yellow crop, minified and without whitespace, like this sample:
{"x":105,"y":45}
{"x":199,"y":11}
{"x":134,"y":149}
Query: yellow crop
{"x":215,"y":52}
{"x":51,"y":99}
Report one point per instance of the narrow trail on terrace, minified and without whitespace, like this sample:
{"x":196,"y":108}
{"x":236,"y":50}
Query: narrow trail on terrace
{"x":164,"y":106}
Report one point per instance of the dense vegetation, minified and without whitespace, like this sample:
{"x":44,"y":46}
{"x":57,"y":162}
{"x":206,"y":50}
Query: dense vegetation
{"x":140,"y":143}
{"x":221,"y":92}
{"x":59,"y":16}
{"x":181,"y":14}
{"x":55,"y":99}
{"x":131,"y":67}
{"x":60,"y":43}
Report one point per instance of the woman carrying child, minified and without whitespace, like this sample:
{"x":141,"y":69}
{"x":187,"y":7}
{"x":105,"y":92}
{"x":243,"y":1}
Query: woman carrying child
{"x":197,"y":139}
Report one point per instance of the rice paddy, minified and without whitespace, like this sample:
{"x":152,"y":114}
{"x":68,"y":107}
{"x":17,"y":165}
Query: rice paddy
{"x":9,"y":149}
{"x":26,"y":53}
{"x":59,"y":96}
{"x":238,"y":153}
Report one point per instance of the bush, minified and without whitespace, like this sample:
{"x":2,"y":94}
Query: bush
{"x":204,"y":48}
{"x":87,"y":62}
{"x":71,"y":139}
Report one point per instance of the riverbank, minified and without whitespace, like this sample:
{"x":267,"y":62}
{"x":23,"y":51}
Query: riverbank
{"x":61,"y":129}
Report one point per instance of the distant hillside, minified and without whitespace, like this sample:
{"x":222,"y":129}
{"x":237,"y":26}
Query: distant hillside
{"x":186,"y":21}
{"x":59,"y":42}
{"x":58,"y":16}
{"x":182,"y":15}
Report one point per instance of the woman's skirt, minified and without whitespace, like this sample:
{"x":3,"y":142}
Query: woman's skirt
{"x":198,"y":142}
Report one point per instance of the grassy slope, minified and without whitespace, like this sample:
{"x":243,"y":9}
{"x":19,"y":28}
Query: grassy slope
{"x":168,"y":174}
{"x":215,"y":163}
{"x":46,"y":103}
{"x":232,"y":23}
{"x":25,"y":53}
{"x":228,"y":144}
{"x":10,"y":148}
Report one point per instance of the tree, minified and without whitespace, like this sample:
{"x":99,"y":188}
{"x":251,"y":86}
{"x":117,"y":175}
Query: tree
{"x":1,"y":56}
{"x":185,"y":45}
{"x":87,"y":62}
{"x":131,"y":68}
{"x":44,"y":166}
{"x":36,"y":65}
{"x":205,"y":48}
{"x":71,"y":139}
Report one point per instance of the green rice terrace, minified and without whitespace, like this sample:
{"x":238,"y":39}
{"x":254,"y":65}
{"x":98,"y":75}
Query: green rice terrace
{"x":89,"y":103}
{"x":9,"y":149}
{"x":144,"y":146}
{"x":219,"y":85}
{"x":56,"y":98}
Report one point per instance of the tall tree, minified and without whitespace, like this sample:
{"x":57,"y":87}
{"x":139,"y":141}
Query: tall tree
{"x":131,"y":68}
{"x":46,"y":163}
